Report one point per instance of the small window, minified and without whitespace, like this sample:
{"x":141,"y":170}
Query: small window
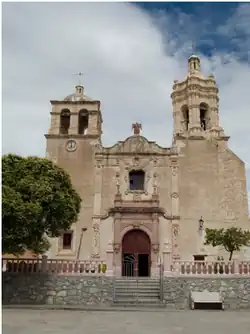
{"x":67,"y":240}
{"x":136,"y":180}
{"x":199,"y":257}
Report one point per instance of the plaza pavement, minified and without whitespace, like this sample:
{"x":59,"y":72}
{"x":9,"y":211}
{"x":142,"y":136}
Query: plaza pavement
{"x":40,"y":321}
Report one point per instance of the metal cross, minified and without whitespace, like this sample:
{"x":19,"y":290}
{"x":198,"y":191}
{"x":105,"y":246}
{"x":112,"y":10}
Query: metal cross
{"x":80,"y":74}
{"x":193,"y":47}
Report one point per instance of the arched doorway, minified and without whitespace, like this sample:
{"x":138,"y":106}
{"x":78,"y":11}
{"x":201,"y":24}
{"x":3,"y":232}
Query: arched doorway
{"x":136,"y":249}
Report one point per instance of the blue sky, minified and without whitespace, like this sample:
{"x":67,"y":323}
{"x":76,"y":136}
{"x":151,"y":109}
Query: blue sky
{"x":130,"y":53}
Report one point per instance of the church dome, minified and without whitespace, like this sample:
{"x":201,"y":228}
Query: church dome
{"x":78,"y":95}
{"x":193,"y":57}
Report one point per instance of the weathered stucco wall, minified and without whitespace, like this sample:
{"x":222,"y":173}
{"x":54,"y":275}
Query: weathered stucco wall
{"x":212,"y":184}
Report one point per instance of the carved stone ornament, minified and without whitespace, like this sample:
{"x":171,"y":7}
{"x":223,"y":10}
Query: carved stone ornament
{"x":71,"y":145}
{"x":96,"y":240}
{"x":175,"y":195}
{"x":137,"y":225}
{"x":137,"y":196}
{"x":99,"y":163}
{"x":155,"y":248}
{"x":176,"y":229}
{"x":174,"y":170}
{"x":116,"y":247}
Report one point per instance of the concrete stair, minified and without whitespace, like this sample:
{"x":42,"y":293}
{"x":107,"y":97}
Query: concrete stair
{"x":140,"y":292}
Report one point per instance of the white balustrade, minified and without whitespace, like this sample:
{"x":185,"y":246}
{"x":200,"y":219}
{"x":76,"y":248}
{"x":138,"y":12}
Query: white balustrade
{"x":54,"y":266}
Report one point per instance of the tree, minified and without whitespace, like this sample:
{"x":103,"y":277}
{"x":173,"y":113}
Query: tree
{"x":38,"y":201}
{"x":232,"y":239}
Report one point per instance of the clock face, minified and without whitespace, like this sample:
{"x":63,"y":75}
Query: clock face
{"x":71,"y":145}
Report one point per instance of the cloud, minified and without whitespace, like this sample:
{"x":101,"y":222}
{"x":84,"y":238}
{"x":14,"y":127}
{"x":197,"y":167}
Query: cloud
{"x":130,"y":58}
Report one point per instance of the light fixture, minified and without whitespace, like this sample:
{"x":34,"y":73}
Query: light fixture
{"x":201,"y":223}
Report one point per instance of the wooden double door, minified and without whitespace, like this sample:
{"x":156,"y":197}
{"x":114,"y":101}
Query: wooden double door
{"x":136,"y":250}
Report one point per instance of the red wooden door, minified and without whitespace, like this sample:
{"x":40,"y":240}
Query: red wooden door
{"x":136,"y":242}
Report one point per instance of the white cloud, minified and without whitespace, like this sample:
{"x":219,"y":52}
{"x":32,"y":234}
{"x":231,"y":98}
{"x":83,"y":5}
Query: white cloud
{"x":130,"y":64}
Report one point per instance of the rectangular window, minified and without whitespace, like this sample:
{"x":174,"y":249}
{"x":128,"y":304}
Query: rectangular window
{"x":136,"y":180}
{"x":67,"y":238}
{"x":199,"y":257}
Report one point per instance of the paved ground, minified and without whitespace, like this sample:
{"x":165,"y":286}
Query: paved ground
{"x":23,"y":321}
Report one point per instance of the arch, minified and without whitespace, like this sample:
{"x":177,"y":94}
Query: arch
{"x":185,"y":116}
{"x":144,"y":228}
{"x":204,"y":110}
{"x":64,"y":121}
{"x":83,"y":121}
{"x":136,"y":251}
{"x":137,"y":179}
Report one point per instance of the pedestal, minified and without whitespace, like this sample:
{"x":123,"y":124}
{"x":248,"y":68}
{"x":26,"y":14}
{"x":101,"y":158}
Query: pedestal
{"x":110,"y":261}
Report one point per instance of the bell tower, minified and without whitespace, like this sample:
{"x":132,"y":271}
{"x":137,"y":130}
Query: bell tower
{"x":196,"y":104}
{"x":76,"y":115}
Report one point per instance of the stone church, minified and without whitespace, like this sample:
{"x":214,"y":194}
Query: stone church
{"x":139,"y":199}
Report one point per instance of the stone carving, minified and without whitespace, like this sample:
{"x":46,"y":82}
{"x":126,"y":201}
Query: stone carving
{"x":175,"y":195}
{"x":99,"y":163}
{"x":155,"y":248}
{"x":96,"y":239}
{"x":137,"y":127}
{"x":136,"y":196}
{"x":155,"y":183}
{"x":174,"y":170}
{"x":136,"y":161}
{"x":116,"y":247}
{"x":137,"y":225}
{"x":176,"y":229}
{"x":136,"y":144}
{"x":118,"y":182}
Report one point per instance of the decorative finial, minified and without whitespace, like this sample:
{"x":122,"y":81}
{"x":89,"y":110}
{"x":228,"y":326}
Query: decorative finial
{"x":80,"y":74}
{"x":137,"y":127}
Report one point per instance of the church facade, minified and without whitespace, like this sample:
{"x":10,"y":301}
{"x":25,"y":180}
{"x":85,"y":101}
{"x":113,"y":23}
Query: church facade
{"x":139,"y":199}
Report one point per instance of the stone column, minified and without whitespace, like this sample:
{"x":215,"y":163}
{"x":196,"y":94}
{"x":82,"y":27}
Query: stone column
{"x":175,"y":208}
{"x":155,"y":246}
{"x":97,"y":210}
{"x":74,"y":119}
{"x":195,"y":126}
{"x":117,"y":244}
{"x":110,"y":260}
{"x":167,"y":259}
{"x":54,"y":124}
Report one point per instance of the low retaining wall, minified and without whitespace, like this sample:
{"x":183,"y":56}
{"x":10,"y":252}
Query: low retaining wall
{"x":55,"y":289}
{"x":236,"y":291}
{"x":35,"y":289}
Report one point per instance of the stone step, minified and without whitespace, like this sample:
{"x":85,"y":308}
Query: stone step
{"x":149,"y":284}
{"x":137,"y":279}
{"x":139,"y":286}
{"x":137,"y":292}
{"x":136,"y":301}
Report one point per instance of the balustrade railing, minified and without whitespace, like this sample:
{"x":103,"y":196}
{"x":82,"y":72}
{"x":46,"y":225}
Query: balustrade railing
{"x":91,"y":267}
{"x":98,"y":267}
{"x":189,"y":268}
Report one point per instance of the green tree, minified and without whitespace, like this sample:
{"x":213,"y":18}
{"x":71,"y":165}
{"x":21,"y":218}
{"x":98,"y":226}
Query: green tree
{"x":232,"y":239}
{"x":38,"y":201}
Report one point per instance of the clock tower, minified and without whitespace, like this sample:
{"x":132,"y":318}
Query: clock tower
{"x":74,"y":133}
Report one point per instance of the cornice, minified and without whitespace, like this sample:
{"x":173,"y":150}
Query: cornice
{"x":70,"y":136}
{"x":56,"y":102}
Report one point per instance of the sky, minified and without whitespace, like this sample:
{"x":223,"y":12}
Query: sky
{"x":130,"y":54}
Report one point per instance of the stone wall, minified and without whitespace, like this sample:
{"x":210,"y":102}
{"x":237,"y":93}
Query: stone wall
{"x":236,"y":291}
{"x":54,"y":289}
